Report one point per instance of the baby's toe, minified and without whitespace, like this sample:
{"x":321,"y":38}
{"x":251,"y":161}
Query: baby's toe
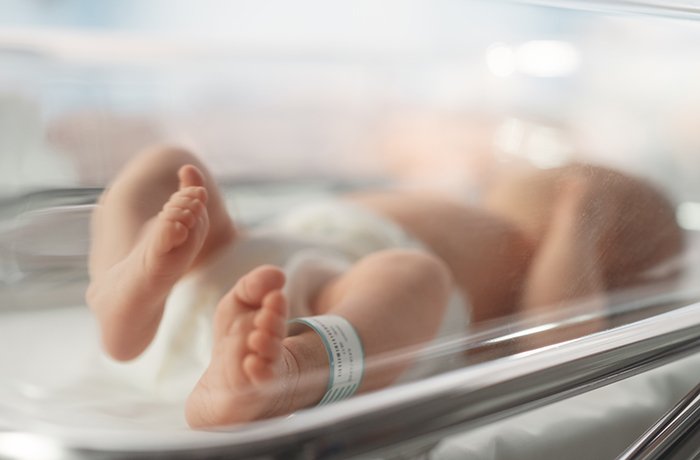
{"x":190,"y":175}
{"x":264,"y":344}
{"x":258,"y":369}
{"x":184,"y":216}
{"x":253,"y":287}
{"x":196,"y":193}
{"x":168,"y":234}
{"x":273,"y":316}
{"x":185,"y":202}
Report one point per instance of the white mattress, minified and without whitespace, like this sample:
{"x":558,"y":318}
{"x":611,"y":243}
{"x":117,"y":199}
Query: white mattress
{"x":597,"y":425}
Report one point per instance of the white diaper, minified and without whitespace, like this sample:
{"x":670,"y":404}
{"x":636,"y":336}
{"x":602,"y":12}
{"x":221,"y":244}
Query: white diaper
{"x":313,"y":244}
{"x":345,"y":227}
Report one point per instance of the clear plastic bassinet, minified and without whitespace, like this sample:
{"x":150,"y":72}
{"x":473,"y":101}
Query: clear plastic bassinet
{"x":288,"y":103}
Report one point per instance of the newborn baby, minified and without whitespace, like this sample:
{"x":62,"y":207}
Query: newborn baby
{"x":541,"y":239}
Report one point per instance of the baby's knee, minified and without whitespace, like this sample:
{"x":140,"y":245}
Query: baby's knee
{"x":155,"y":166}
{"x":165,"y":156}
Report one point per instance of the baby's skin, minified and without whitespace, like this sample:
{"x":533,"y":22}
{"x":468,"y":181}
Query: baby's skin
{"x":394,"y":299}
{"x":164,"y":216}
{"x":250,"y":371}
{"x":164,"y":252}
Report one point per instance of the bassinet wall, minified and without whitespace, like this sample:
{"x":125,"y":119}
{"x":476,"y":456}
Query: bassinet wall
{"x":291,"y":102}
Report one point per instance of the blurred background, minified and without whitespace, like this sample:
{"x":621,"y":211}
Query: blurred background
{"x":435,"y":93}
{"x":430,"y":94}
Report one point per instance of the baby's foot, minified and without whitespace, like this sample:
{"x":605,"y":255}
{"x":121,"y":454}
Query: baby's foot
{"x":176,"y":235}
{"x":128,"y":299}
{"x":251,"y":373}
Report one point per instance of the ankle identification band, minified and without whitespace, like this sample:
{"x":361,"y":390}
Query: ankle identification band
{"x":345,"y":354}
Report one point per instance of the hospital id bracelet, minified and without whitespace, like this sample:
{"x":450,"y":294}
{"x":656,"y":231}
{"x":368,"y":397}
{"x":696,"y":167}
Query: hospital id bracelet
{"x":345,"y":355}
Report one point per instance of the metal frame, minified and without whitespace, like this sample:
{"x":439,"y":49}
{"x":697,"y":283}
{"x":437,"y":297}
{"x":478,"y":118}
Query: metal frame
{"x":416,"y":415}
{"x":686,"y":9}
{"x":673,"y":435}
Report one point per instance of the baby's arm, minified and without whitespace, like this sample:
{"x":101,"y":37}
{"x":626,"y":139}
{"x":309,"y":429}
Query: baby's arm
{"x":566,"y":270}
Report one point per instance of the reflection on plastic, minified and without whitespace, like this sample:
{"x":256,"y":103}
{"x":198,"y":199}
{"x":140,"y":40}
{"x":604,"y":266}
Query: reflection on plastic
{"x":688,"y":215}
{"x":23,"y":445}
{"x":536,"y":58}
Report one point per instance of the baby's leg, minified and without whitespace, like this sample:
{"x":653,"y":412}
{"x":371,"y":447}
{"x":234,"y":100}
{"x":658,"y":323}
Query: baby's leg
{"x":486,"y":254}
{"x":162,"y":215}
{"x":394,"y":299}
